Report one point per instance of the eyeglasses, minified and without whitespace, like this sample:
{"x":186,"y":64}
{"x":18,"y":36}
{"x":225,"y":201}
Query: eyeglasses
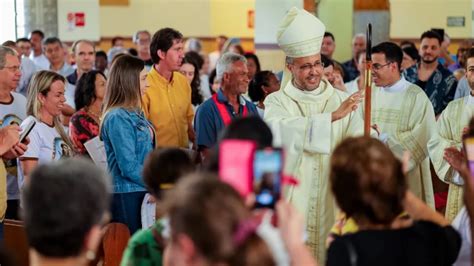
{"x":14,"y":68}
{"x":308,"y":67}
{"x":377,"y":66}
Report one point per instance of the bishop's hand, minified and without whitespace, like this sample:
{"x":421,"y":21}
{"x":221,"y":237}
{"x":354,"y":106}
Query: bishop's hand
{"x":347,"y":106}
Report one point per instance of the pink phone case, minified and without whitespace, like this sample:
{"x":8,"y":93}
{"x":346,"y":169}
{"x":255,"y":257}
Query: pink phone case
{"x":236,"y":164}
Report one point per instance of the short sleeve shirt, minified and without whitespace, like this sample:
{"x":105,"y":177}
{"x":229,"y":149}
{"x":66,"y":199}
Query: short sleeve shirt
{"x":208,"y":122}
{"x":45,"y":145}
{"x":82,"y":128}
{"x":13,"y":113}
{"x":146,"y":247}
{"x":422,"y":244}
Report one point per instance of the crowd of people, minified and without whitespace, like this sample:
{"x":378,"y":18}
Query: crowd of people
{"x":162,"y":113}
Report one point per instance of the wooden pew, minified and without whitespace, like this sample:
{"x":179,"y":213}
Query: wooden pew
{"x":114,"y":242}
{"x":15,"y":241}
{"x":109,"y":253}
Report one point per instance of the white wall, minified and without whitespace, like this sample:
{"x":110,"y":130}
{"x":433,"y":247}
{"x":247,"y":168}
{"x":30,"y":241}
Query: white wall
{"x":7,"y":20}
{"x":409,"y":18}
{"x":67,"y":29}
{"x":268,"y":15}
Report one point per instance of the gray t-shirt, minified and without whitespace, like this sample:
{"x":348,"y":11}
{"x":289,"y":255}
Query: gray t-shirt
{"x":13,"y":113}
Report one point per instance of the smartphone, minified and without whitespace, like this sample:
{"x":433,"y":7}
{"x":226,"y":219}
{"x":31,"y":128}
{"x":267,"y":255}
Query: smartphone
{"x":27,"y":130}
{"x":267,"y":177}
{"x":469,"y":150}
{"x":235,"y":164}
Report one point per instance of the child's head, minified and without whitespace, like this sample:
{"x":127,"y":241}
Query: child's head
{"x":163,"y":168}
{"x":210,"y":225}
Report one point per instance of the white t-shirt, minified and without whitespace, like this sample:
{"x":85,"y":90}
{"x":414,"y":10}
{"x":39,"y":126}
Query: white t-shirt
{"x":69,"y":94}
{"x":41,"y":62}
{"x":13,"y":113}
{"x":46,"y":145}
{"x":205,"y":89}
{"x":462,"y":223}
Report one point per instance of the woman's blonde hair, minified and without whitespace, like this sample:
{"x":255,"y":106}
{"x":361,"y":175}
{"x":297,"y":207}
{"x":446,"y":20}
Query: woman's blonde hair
{"x":41,"y":84}
{"x":123,"y":85}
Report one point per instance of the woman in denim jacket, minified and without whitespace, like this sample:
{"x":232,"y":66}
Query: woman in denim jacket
{"x":128,"y":138}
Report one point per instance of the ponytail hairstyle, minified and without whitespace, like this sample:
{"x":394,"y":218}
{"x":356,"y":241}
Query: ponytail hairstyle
{"x":213,"y":216}
{"x":41,"y":84}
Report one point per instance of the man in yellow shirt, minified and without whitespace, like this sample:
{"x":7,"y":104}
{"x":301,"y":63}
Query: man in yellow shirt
{"x":167,"y":101}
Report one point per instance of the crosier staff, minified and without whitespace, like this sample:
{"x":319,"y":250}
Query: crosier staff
{"x":368,"y":81}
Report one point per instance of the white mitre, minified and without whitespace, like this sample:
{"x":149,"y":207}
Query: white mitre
{"x":300,"y":34}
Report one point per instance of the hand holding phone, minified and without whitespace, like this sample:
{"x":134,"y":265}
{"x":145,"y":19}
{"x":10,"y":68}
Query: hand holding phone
{"x":235,"y":164}
{"x":252,"y":171}
{"x":267,"y":177}
{"x":10,"y":136}
{"x":27,"y":131}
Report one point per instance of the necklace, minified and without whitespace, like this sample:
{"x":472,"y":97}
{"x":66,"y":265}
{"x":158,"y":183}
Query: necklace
{"x":94,"y":115}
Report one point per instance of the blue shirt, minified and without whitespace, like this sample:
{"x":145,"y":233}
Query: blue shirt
{"x":65,"y":70}
{"x":350,"y":70}
{"x":208,"y":123}
{"x":72,"y":78}
{"x":463,"y":89}
{"x":128,"y":139}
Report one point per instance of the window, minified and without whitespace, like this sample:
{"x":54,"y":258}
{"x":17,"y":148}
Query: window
{"x":7,"y":15}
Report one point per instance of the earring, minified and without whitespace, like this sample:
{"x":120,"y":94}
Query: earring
{"x":90,"y":255}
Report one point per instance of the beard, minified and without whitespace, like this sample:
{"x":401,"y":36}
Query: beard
{"x":305,"y":86}
{"x":426,"y":61}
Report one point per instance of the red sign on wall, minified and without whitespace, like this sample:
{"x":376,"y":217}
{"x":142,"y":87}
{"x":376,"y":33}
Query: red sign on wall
{"x":76,"y":19}
{"x":80,"y":19}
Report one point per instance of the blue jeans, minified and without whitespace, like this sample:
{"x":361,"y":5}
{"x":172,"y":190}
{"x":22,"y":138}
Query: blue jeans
{"x":126,"y":209}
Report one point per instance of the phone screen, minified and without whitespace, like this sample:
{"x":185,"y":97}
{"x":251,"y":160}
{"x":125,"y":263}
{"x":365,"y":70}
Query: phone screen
{"x":235,"y":164}
{"x":268,"y":166}
{"x":469,"y":148}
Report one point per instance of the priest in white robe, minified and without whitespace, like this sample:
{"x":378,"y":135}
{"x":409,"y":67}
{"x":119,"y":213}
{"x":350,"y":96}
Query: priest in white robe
{"x":309,"y":118}
{"x":404,"y":117}
{"x":451,"y":126}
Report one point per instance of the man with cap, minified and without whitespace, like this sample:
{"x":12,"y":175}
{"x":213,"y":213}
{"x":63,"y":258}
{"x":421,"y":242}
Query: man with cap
{"x":309,"y":118}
